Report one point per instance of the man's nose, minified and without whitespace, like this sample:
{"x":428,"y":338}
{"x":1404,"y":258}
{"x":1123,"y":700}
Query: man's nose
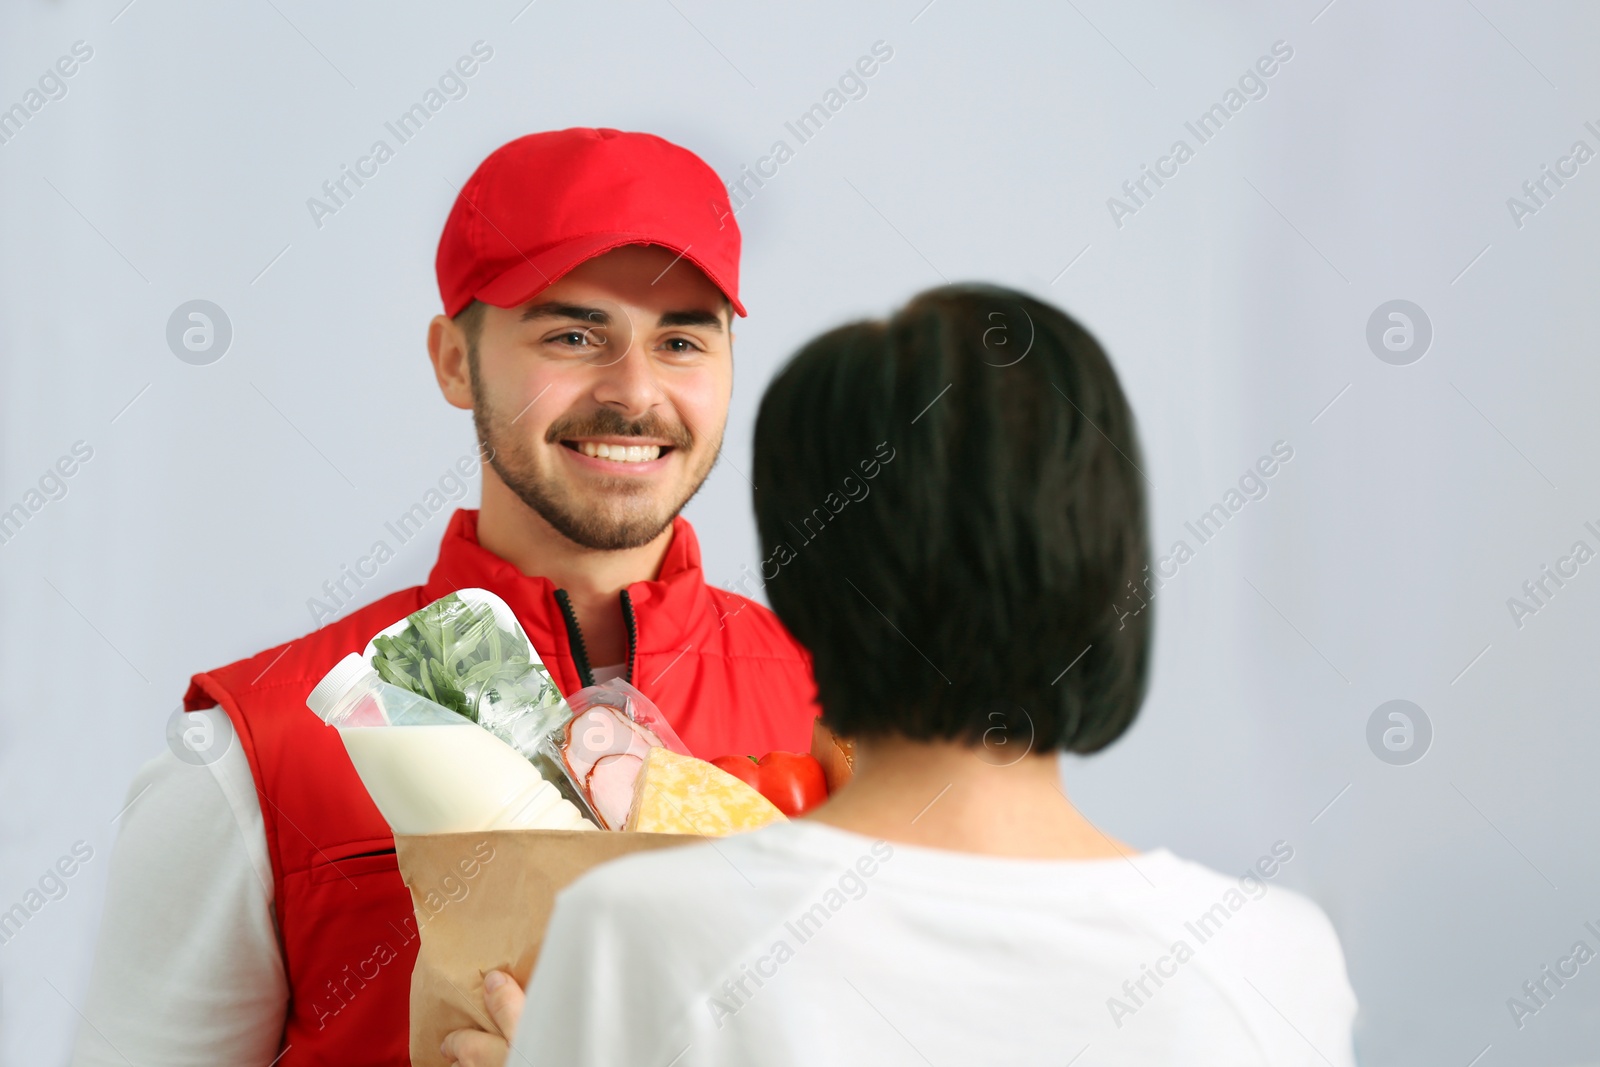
{"x":626,"y":375}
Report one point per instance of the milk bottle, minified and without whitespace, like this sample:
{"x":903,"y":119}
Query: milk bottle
{"x":428,"y":769}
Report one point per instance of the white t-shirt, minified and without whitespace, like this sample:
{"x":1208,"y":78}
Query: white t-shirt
{"x":804,"y":944}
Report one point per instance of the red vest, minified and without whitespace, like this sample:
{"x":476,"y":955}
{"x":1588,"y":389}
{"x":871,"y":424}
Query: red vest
{"x":722,"y":669}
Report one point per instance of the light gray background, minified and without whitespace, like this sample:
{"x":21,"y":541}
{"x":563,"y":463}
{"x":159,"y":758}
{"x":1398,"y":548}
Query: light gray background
{"x":219,"y":498}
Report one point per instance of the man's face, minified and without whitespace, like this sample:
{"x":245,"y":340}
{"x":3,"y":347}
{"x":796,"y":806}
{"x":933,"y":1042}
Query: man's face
{"x":602,"y":401}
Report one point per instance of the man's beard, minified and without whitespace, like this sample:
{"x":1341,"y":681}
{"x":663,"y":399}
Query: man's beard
{"x":586,"y":522}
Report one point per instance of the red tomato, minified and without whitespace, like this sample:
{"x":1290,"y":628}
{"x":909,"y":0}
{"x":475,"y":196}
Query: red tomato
{"x":793,"y":781}
{"x":741,"y":767}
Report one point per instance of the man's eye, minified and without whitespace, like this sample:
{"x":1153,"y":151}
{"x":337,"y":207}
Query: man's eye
{"x":578,"y":338}
{"x":681,"y":345}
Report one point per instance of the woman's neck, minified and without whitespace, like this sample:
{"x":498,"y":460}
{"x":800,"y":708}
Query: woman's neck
{"x":940,"y":794}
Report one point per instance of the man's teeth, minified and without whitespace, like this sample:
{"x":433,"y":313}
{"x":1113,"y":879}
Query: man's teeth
{"x":620,"y":453}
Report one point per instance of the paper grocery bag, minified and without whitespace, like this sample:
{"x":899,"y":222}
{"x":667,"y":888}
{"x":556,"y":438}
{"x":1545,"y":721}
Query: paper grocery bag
{"x":482,"y":901}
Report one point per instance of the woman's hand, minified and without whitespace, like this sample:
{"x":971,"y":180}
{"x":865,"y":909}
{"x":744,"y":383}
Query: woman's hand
{"x":475,"y":1048}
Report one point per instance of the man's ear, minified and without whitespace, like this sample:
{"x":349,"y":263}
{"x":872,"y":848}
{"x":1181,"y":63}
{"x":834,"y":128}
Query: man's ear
{"x":447,"y":347}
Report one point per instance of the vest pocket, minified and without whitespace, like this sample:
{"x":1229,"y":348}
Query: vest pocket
{"x":361,"y":860}
{"x":351,"y":941}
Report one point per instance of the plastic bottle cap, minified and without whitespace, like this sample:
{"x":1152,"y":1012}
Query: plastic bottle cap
{"x":336,"y":683}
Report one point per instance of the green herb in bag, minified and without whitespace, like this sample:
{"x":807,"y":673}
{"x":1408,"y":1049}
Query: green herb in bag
{"x":460,"y":655}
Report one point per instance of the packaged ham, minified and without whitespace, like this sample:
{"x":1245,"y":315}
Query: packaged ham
{"x":638,"y":776}
{"x":601,"y":749}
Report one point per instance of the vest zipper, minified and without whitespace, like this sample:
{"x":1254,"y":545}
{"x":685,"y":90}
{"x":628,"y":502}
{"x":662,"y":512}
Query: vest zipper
{"x":633,"y":636}
{"x":580,"y":653}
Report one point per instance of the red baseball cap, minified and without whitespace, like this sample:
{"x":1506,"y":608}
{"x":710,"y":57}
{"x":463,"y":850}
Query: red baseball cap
{"x":544,"y":203}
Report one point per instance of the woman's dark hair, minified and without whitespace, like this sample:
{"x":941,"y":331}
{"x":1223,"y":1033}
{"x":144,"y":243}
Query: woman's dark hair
{"x":953,"y":522}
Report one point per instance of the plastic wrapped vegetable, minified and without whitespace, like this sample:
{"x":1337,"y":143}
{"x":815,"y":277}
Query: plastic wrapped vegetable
{"x":467,"y":652}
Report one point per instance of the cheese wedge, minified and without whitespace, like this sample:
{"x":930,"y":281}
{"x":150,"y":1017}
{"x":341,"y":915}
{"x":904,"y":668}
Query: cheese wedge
{"x":677,"y":794}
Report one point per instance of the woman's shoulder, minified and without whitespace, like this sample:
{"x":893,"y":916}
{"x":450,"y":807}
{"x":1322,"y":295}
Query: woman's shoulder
{"x":757,"y":875}
{"x":702,"y":874}
{"x":690,"y":909}
{"x":1256,"y":893}
{"x":1250,"y":923}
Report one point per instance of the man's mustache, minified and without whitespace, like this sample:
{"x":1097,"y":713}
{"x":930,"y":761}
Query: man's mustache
{"x":604,"y":422}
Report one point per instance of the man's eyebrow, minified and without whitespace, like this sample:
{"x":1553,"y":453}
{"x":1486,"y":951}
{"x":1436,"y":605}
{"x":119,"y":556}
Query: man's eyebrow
{"x":555,"y":310}
{"x":711,"y":320}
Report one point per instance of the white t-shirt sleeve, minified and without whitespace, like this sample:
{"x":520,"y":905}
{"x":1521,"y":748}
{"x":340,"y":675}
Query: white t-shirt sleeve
{"x":187,"y":970}
{"x":1274,"y":960}
{"x":1293,"y":976}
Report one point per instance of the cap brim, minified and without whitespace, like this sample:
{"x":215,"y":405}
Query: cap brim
{"x":534,"y":274}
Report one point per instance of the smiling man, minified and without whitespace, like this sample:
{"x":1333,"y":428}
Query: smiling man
{"x":255,"y":913}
